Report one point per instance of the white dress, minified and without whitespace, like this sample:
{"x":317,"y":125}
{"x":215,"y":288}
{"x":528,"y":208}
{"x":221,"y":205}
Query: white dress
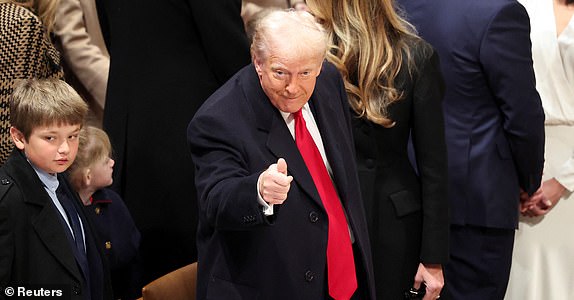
{"x":543,"y":259}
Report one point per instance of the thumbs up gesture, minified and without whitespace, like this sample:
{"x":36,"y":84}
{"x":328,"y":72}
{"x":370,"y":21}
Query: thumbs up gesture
{"x":274,"y":183}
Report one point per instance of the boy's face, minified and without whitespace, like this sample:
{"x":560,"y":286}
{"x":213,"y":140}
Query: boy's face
{"x":50,"y":148}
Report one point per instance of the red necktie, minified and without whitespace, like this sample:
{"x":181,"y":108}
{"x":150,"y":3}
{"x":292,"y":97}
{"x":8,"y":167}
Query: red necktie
{"x":340,"y":264}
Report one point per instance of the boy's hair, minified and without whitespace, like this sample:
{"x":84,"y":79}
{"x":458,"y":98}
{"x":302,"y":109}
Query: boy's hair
{"x":94,"y":145}
{"x":43,"y":102}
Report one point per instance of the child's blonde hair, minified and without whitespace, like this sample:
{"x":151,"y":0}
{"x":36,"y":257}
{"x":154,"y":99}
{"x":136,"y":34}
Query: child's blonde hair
{"x":44,"y":102}
{"x":94,"y":146}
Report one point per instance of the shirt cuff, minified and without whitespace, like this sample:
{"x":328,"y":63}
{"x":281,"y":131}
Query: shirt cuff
{"x":266,"y":207}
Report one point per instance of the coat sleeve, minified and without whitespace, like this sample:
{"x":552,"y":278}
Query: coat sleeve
{"x":226,"y":187}
{"x":6,"y":239}
{"x":223,"y":36}
{"x":86,"y":60}
{"x":506,"y":56}
{"x":430,"y":148}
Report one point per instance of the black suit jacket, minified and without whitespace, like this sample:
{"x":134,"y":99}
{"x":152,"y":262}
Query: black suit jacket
{"x":234,"y":137}
{"x":34,"y":247}
{"x":407,"y":212}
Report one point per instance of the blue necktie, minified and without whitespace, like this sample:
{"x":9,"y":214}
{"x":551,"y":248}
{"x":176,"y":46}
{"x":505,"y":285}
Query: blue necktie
{"x":73,"y":218}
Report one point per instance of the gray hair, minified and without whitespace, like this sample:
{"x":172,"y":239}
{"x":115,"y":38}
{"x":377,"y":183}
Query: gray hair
{"x":296,"y":29}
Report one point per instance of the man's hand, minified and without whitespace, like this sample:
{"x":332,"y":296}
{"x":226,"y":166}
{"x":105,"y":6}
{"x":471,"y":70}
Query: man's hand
{"x":528,"y":202}
{"x":544,"y":199}
{"x":431,"y":275}
{"x":274,"y":183}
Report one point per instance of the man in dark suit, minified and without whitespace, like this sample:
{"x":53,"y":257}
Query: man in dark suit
{"x":167,"y":57}
{"x":494,"y":127}
{"x":268,"y":222}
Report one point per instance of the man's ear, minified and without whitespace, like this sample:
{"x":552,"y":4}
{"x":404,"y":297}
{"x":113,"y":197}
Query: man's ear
{"x":18,"y":138}
{"x":257,"y":64}
{"x":320,"y":66}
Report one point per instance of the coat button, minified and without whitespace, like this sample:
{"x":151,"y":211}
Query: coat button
{"x":370,"y":163}
{"x":309,"y":276}
{"x":108,"y":245}
{"x":98,"y":210}
{"x":5,"y":181}
{"x":313,"y":217}
{"x":76,"y":289}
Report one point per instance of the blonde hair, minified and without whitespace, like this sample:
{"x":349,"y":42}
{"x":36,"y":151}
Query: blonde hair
{"x":42,"y":102}
{"x":297,"y":29}
{"x":368,"y":40}
{"x":44,"y":9}
{"x":94,"y":146}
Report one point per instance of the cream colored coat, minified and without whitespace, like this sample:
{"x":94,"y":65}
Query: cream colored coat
{"x":83,"y":46}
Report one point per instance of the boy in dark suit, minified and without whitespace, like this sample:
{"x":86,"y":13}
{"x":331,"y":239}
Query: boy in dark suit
{"x":47,"y":245}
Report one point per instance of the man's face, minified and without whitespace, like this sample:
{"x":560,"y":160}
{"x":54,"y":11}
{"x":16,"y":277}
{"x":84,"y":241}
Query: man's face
{"x":50,"y":148}
{"x":288,"y":79}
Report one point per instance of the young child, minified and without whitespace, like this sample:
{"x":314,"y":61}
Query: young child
{"x":47,"y":245}
{"x":89,"y":175}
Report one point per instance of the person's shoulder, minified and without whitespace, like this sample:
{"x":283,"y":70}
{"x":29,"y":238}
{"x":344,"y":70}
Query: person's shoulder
{"x":107,"y":194}
{"x":112,"y":202}
{"x":10,"y":189}
{"x":329,"y":74}
{"x":18,"y":15}
{"x":226,"y":98}
{"x":6,"y":183}
{"x":329,"y":69}
{"x":487,"y":9}
{"x":477,"y":12}
{"x":419,"y":49}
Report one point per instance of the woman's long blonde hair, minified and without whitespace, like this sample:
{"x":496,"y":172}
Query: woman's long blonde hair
{"x":368,"y":41}
{"x":44,"y":9}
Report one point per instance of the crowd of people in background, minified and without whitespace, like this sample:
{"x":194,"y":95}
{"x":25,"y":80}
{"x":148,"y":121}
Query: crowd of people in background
{"x":137,"y":137}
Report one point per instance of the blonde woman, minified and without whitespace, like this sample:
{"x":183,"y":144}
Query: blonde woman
{"x":395,"y":89}
{"x":25,"y":52}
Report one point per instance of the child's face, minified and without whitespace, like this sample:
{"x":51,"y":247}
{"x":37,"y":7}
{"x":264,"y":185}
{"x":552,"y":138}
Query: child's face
{"x":101,"y":173}
{"x":50,"y":148}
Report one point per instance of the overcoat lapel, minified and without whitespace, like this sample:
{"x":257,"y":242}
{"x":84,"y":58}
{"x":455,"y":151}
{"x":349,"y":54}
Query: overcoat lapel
{"x":282,"y":144}
{"x":279,"y":139}
{"x":324,"y":114}
{"x":47,"y":222}
{"x":49,"y":229}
